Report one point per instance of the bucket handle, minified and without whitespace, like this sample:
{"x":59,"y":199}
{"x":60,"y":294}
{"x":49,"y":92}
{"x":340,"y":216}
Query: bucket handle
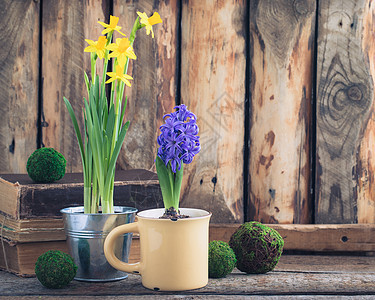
{"x":109,"y":245}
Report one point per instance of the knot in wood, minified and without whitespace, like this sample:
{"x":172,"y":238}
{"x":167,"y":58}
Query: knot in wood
{"x":301,"y":7}
{"x":354,"y":93}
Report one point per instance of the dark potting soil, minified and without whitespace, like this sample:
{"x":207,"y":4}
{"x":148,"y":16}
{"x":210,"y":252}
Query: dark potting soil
{"x":173,"y":214}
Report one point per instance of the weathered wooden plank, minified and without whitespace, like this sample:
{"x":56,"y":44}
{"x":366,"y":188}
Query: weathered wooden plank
{"x":214,"y":297}
{"x":282,"y":282}
{"x":309,"y":237}
{"x":365,"y":169}
{"x":19,"y":254}
{"x":281,"y":53}
{"x":65,"y":26}
{"x":19,"y":68}
{"x":344,"y":105}
{"x":213,"y":87}
{"x":296,"y":263}
{"x":160,"y":296}
{"x":326,"y":263}
{"x":153,"y":89}
{"x":301,"y":237}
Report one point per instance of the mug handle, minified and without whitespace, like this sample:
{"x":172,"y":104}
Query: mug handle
{"x":108,"y":248}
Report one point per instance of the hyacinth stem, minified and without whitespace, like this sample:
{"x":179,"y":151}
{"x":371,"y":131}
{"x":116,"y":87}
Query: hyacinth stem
{"x":170,"y":183}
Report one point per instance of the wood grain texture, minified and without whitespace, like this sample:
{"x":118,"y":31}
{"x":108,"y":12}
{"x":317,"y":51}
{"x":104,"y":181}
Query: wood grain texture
{"x":293,"y":278}
{"x":313,"y":237}
{"x":327,"y":263}
{"x":297,"y":237}
{"x":153,"y":89}
{"x":213,"y":87}
{"x":365,"y":169}
{"x":19,"y":69}
{"x":281,"y":53}
{"x":344,"y":105}
{"x":66,"y":24}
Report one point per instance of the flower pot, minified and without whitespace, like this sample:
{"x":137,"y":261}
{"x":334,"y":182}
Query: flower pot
{"x":174,"y":253}
{"x":86,"y":234}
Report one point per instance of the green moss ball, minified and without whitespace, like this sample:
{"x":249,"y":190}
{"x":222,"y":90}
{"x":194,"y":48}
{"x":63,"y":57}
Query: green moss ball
{"x":55,"y":269}
{"x":257,"y":247}
{"x":221,"y":259}
{"x":46,"y":165}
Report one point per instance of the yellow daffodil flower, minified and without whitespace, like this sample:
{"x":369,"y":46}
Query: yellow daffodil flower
{"x":112,"y":26}
{"x":121,"y":49}
{"x":98,"y":47}
{"x":149,"y":21}
{"x":119,"y":74}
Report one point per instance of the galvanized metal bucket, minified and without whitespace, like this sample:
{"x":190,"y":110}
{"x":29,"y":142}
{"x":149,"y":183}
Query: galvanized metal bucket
{"x":86,"y":234}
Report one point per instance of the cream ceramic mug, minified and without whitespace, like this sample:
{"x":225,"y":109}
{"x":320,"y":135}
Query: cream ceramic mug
{"x":174,"y":254}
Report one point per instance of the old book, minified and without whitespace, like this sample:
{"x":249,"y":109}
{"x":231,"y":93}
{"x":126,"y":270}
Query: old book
{"x":21,"y":198}
{"x":30,"y":212}
{"x":30,"y":219}
{"x":32,"y":230}
{"x":20,"y":258}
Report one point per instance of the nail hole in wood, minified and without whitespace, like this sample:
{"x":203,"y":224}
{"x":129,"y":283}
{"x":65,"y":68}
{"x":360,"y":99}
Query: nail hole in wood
{"x":272,"y":193}
{"x":214,"y":180}
{"x":344,"y":239}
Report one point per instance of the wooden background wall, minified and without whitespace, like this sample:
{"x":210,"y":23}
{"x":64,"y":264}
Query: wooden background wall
{"x":283,"y":91}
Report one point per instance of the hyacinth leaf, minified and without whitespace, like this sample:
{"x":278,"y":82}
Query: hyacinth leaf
{"x":177,"y":185}
{"x":164,"y":182}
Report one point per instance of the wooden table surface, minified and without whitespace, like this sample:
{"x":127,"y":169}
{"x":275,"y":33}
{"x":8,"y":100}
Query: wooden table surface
{"x":295,"y":277}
